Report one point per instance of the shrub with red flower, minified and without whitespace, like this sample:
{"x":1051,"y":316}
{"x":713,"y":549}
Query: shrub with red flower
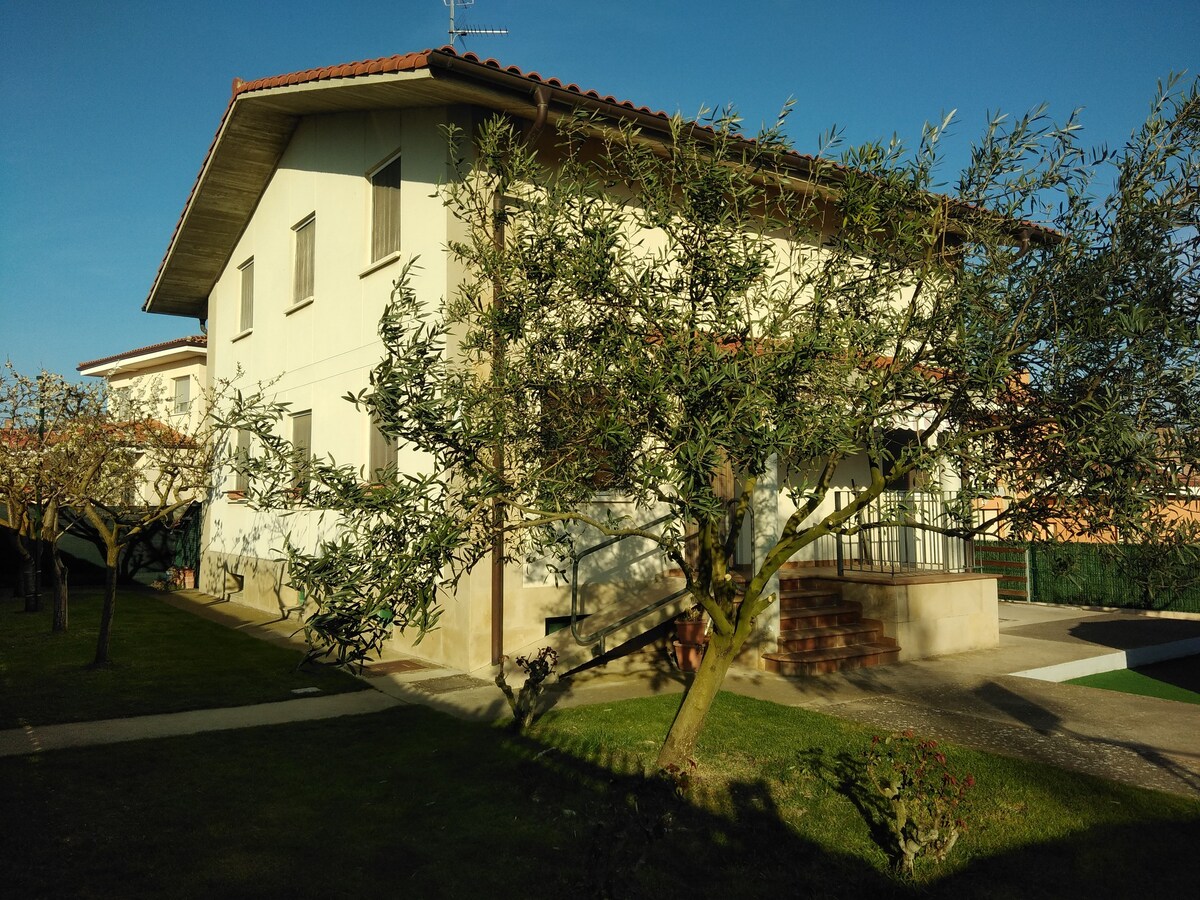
{"x":922,"y":794}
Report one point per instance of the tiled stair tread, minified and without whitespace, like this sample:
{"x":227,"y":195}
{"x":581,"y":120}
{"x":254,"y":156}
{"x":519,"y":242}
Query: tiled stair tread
{"x":866,"y":626}
{"x":798,"y":599}
{"x":828,"y":666}
{"x":814,"y":663}
{"x":818,"y":621}
{"x":825,"y":609}
{"x":846,"y":628}
{"x":832,"y":653}
{"x":813,"y":615}
{"x":825,"y":641}
{"x":817,"y":616}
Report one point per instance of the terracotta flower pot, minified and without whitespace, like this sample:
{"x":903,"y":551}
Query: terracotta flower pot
{"x":688,"y":656}
{"x":691,"y":631}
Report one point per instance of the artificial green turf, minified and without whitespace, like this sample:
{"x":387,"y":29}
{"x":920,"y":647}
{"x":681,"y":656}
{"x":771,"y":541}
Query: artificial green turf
{"x":1162,"y":680}
{"x":411,"y":803}
{"x":164,"y":660}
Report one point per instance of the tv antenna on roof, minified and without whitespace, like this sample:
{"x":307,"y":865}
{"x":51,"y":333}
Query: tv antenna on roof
{"x":455,"y":32}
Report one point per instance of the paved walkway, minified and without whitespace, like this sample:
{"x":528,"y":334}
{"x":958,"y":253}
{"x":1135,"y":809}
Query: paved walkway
{"x":30,"y":739}
{"x":973,"y":699}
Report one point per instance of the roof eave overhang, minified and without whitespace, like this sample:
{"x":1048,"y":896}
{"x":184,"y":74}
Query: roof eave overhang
{"x":258,"y":125}
{"x":136,"y":363}
{"x":249,"y":143}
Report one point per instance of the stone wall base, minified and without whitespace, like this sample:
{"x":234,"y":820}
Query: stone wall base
{"x":930,"y":615}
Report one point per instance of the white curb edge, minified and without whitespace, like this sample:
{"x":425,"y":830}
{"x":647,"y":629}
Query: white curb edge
{"x":1109,"y":662}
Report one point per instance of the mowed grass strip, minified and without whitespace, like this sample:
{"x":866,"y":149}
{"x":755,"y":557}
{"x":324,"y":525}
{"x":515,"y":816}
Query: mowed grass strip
{"x":164,"y":660}
{"x":412,"y":803}
{"x":1176,"y":679}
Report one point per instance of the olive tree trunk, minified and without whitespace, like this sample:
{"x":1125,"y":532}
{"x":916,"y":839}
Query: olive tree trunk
{"x":680,"y":743}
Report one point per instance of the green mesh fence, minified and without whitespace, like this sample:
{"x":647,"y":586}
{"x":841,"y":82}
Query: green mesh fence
{"x":185,"y":540}
{"x":1118,"y":575}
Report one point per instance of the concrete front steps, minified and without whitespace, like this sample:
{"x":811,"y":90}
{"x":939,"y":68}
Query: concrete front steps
{"x":819,"y":632}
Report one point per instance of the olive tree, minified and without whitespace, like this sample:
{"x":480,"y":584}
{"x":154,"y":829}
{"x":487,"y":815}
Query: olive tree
{"x":674,"y":316}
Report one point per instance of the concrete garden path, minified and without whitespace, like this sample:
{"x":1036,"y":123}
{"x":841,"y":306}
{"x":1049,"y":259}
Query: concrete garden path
{"x":38,"y":739}
{"x":973,"y":699}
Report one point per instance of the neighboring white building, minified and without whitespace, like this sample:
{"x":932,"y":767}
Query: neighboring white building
{"x":168,"y":380}
{"x":316,"y":189}
{"x":174,"y":370}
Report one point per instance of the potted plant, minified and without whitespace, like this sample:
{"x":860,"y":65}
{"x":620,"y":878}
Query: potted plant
{"x":691,"y":626}
{"x":182,"y":576}
{"x":691,"y":637}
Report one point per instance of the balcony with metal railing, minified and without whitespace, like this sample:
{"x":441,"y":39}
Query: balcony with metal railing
{"x":900,"y":532}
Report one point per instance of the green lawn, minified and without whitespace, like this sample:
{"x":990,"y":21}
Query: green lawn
{"x":1176,"y":679}
{"x":164,"y":660}
{"x":411,"y":803}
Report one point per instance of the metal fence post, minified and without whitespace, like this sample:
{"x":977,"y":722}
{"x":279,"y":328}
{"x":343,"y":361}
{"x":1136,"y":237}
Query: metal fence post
{"x":841,"y":560}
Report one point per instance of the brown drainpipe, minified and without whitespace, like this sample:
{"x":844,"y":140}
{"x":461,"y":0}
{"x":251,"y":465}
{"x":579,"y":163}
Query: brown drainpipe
{"x":542,"y":96}
{"x":497,"y":506}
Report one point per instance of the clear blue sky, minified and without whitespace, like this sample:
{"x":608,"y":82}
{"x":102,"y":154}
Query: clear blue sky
{"x":107,"y":109}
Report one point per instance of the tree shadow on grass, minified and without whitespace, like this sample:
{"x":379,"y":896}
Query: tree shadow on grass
{"x":1182,"y":673}
{"x":1107,"y":861}
{"x":403,"y":802}
{"x":412,"y":803}
{"x":846,"y":774}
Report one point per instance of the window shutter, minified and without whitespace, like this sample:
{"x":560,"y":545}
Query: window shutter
{"x":183,"y":394}
{"x":385,"y":217}
{"x":242,"y":481}
{"x":306,"y":246}
{"x":382,"y":453}
{"x":247,"y":319}
{"x":302,"y":444}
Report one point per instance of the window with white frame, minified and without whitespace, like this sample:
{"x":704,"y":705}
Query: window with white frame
{"x":183,"y":395}
{"x":306,"y":246}
{"x":385,"y":210}
{"x":246,"y":322}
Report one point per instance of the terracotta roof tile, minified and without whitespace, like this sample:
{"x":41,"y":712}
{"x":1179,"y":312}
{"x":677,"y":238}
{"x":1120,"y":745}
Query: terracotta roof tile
{"x":409,"y":62}
{"x":406,"y":62}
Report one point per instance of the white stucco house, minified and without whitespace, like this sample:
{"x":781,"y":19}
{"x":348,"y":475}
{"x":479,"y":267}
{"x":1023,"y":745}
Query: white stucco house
{"x":317,"y":187}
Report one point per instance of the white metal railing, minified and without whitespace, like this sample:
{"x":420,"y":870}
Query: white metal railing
{"x":901,"y":531}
